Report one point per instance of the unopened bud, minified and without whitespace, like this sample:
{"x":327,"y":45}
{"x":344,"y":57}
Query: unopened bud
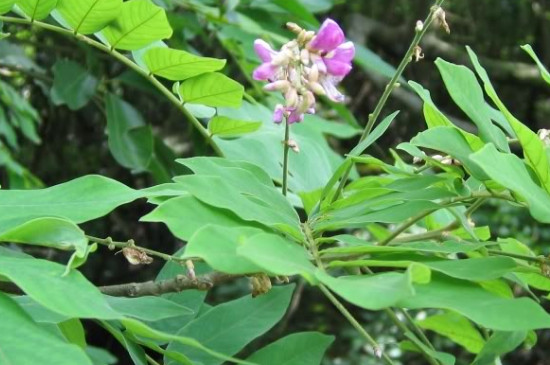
{"x":313,"y":73}
{"x":261,"y":284}
{"x":316,"y":88}
{"x":136,"y":256}
{"x":309,"y":35}
{"x":190,"y":269}
{"x":419,"y":26}
{"x":439,"y":15}
{"x":279,"y":85}
{"x":304,"y":57}
{"x":293,"y":27}
{"x":291,"y":97}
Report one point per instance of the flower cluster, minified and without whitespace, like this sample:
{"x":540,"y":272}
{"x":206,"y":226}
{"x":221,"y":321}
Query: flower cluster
{"x":312,"y":64}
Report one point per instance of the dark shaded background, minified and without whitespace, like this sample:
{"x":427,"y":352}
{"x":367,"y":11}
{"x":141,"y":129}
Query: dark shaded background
{"x":74,"y":143}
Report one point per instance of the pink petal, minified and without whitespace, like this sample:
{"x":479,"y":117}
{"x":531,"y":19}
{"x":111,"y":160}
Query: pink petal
{"x":263,"y":50}
{"x":329,"y":36}
{"x":278,"y":113}
{"x":265,"y":71}
{"x":295,"y":117}
{"x":329,"y":84}
{"x":337,"y":68}
{"x":344,"y":52}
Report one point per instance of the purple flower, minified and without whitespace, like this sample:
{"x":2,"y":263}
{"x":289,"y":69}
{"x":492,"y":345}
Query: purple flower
{"x":335,"y":54}
{"x":267,"y":70}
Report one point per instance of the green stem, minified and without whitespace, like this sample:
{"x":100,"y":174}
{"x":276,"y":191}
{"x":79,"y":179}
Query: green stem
{"x":355,"y":324}
{"x":126,"y":61}
{"x":130,"y":243}
{"x":373,"y":118}
{"x":285,"y":156}
{"x":534,"y":259}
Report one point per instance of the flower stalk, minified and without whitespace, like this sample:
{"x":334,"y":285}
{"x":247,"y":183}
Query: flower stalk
{"x":286,"y":148}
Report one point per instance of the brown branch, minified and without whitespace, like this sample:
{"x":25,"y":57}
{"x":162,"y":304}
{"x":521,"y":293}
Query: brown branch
{"x":174,"y":285}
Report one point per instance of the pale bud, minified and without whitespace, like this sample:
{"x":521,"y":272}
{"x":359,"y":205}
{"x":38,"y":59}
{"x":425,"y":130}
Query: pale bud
{"x":190,"y":269}
{"x":291,"y":97}
{"x":313,"y":73}
{"x":302,"y":36}
{"x":544,"y":135}
{"x":304,"y":57}
{"x":305,"y":102}
{"x":309,"y":35}
{"x":279,"y":85}
{"x":419,"y":26}
{"x":316,"y":88}
{"x":294,"y":28}
{"x":418,"y":54}
{"x":280,"y":59}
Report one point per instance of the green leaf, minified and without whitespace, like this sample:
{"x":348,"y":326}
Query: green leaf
{"x":277,"y":255}
{"x":372,"y":62}
{"x":228,"y":327}
{"x":72,"y":85}
{"x":509,"y":171}
{"x":71,"y":295}
{"x":139,"y":23}
{"x":418,"y":346}
{"x":49,"y":232}
{"x":294,"y":7}
{"x":457,"y":328}
{"x":179,"y":65}
{"x":38,"y":312}
{"x":26,"y":343}
{"x":225,"y":127}
{"x":543,"y":71}
{"x":88,"y":16}
{"x":304,"y":348}
{"x":147,"y":308}
{"x":451,"y":142}
{"x":130,"y":139}
{"x":6,"y":5}
{"x":217,"y":246}
{"x":212,"y":89}
{"x":142,"y":330}
{"x":435,"y":118}
{"x":78,"y":200}
{"x":499,"y":344}
{"x":194,"y":213}
{"x":479,"y":305}
{"x":73,"y":331}
{"x":533,"y":147}
{"x":464,"y":89}
{"x":376,"y":291}
{"x":374,"y":135}
{"x":36,"y":9}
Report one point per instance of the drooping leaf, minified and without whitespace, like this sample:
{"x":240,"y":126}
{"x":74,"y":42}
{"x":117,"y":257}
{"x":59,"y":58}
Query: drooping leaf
{"x":457,"y":328}
{"x":212,"y":89}
{"x":130,"y":138}
{"x":533,"y":147}
{"x":72,"y":85}
{"x":179,"y":65}
{"x":139,"y":23}
{"x":36,"y":9}
{"x":218,"y":247}
{"x":88,"y":16}
{"x":73,"y":331}
{"x":479,"y":305}
{"x":26,"y":343}
{"x":509,"y":171}
{"x":228,"y":327}
{"x":499,"y":344}
{"x":48,"y":232}
{"x":304,"y":348}
{"x":229,"y":128}
{"x":147,"y":308}
{"x":185,"y":215}
{"x":376,"y":291}
{"x":78,"y":200}
{"x":43,"y":281}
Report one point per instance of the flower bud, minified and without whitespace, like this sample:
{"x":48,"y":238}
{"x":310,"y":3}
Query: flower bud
{"x":313,"y":73}
{"x":293,"y":145}
{"x":304,"y":57}
{"x":291,"y":97}
{"x":279,"y":85}
{"x":419,"y":26}
{"x":316,"y":88}
{"x":278,"y":113}
{"x":439,"y":15}
{"x":544,"y":136}
{"x":293,"y":27}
